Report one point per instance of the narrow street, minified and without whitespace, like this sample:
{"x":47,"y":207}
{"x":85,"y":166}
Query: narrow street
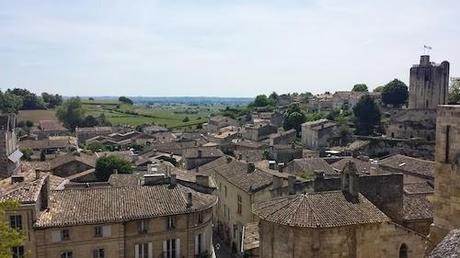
{"x":222,"y":251}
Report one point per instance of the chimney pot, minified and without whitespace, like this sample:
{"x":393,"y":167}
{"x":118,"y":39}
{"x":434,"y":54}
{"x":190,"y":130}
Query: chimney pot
{"x":173,"y":180}
{"x":291,"y":185}
{"x":189,"y":199}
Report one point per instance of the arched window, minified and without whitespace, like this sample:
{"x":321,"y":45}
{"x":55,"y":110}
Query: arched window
{"x":403,"y":251}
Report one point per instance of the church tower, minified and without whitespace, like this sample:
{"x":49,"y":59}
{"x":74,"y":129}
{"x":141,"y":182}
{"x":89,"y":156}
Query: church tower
{"x":9,"y":154}
{"x":429,"y":84}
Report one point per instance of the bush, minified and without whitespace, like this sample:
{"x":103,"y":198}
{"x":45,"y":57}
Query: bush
{"x":105,"y":167}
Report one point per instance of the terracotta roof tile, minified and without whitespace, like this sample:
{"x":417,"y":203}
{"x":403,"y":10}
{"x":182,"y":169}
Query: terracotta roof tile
{"x":408,"y":164}
{"x":118,"y":204}
{"x":319,"y":210}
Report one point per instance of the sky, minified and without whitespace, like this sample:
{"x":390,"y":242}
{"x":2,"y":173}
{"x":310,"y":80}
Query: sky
{"x":228,"y":48}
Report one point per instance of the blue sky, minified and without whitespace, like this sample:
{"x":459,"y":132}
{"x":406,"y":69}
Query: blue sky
{"x":219,"y":47}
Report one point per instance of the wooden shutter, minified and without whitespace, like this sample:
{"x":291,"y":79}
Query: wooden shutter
{"x":150,"y":253}
{"x":136,"y":251}
{"x":177,"y":248}
{"x":106,"y":231}
{"x":56,"y":236}
{"x":165,"y":249}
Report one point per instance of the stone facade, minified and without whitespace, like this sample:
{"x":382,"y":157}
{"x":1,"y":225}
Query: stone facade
{"x":258,"y":132}
{"x":446,"y":199}
{"x":316,"y":134}
{"x":412,"y":123}
{"x":372,"y":240}
{"x":429,"y":84}
{"x":286,"y":137}
{"x":123,"y":240}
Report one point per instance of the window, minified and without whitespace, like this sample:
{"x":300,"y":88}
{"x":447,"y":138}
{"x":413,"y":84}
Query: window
{"x":198,"y":244}
{"x":200,"y":218}
{"x":67,"y":254}
{"x":65,"y":234}
{"x":17,"y":251}
{"x":447,"y":143}
{"x":97,"y":231}
{"x":171,"y":223}
{"x":403,"y":251}
{"x":225,"y":190}
{"x":142,"y":226}
{"x":143,"y":250}
{"x":16,"y":222}
{"x":98,"y":253}
{"x":239,"y":205}
{"x":171,"y":248}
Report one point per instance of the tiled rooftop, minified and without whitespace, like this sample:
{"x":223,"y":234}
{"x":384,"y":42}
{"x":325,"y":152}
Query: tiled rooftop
{"x":408,"y":164}
{"x":319,"y":210}
{"x":118,"y":204}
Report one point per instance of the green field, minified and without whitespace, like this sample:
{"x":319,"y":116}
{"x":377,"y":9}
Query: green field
{"x":171,"y":116}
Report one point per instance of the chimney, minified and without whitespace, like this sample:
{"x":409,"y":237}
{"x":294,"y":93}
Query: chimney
{"x":197,"y":169}
{"x":17,"y":179}
{"x":271,"y":164}
{"x":189,"y":200}
{"x":37,"y":174}
{"x":291,"y":185}
{"x":425,"y":60}
{"x":199,"y":153}
{"x":202,"y":180}
{"x":251,"y":167}
{"x":115,"y":171}
{"x":280,"y":167}
{"x":173,"y":180}
{"x":277,"y":182}
{"x":350,"y":180}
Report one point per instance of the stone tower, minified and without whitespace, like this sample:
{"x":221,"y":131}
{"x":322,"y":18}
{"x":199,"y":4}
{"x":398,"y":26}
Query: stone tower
{"x":429,"y":84}
{"x":9,"y":153}
{"x":446,"y":199}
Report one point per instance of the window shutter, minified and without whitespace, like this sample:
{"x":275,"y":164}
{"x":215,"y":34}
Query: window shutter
{"x":150,"y":250}
{"x":177,"y":248}
{"x":204,"y":242}
{"x":106,"y":231}
{"x":136,"y":251}
{"x":165,"y":249}
{"x":56,"y":236}
{"x":196,"y":244}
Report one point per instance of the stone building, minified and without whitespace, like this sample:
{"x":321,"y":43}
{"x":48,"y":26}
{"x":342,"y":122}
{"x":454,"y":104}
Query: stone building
{"x":446,"y":199}
{"x":217,"y":122}
{"x":196,"y":157}
{"x":258,"y":132}
{"x":428,"y":88}
{"x":429,"y":84}
{"x":286,"y":137}
{"x":340,"y":223}
{"x":47,"y":128}
{"x":85,"y":133}
{"x":9,"y":153}
{"x":239,"y":185}
{"x":316,"y":134}
{"x":161,"y":218}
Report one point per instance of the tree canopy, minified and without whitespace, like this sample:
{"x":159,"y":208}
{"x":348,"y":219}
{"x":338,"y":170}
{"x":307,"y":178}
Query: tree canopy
{"x":71,"y":113}
{"x":294,"y":118}
{"x":361,"y":87}
{"x":51,"y":100}
{"x":29,"y":100}
{"x":10,"y":103}
{"x":9,"y":237}
{"x":379,"y":88}
{"x":367,"y":116}
{"x":454,"y":92}
{"x":395,"y":93}
{"x":125,"y":100}
{"x":105,"y":166}
{"x":262,"y":101}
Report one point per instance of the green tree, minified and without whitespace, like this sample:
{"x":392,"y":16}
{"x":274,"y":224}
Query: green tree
{"x":262,"y":101}
{"x":51,"y":100}
{"x":360,"y":87}
{"x":71,"y":113}
{"x":9,"y":237}
{"x":294,"y":118}
{"x":125,"y":100}
{"x":186,"y":119}
{"x":454,"y":92}
{"x":105,"y":166}
{"x":379,"y":88}
{"x":367,"y":116}
{"x":273,"y":97}
{"x":395,"y":93}
{"x":10,"y":103}
{"x":27,"y":153}
{"x":29,"y":100}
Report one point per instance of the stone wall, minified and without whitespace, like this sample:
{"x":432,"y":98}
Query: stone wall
{"x":412,"y":123}
{"x":446,"y":199}
{"x":380,"y":146}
